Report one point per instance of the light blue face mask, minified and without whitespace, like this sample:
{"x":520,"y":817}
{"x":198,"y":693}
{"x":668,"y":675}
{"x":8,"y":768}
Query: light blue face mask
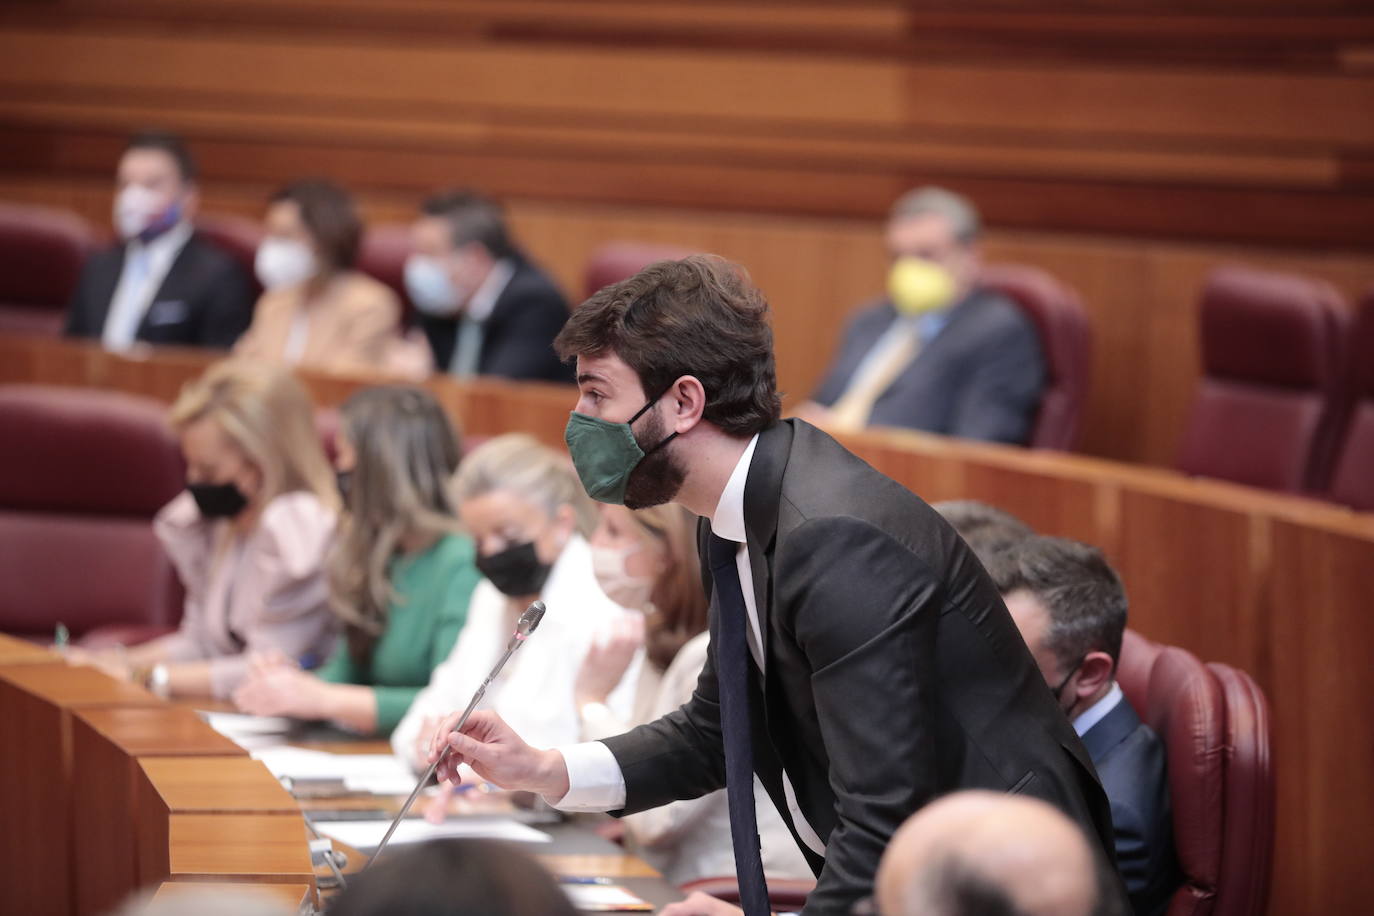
{"x":606,"y":453}
{"x":429,"y":286}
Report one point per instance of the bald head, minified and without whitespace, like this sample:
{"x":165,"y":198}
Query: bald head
{"x":984,"y":853}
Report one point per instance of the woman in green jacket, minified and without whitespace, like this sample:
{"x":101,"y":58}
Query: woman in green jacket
{"x":400,"y":574}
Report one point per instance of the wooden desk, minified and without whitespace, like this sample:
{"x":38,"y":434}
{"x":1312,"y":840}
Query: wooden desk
{"x":106,"y":745}
{"x":296,"y":897}
{"x":15,"y":651}
{"x":37,"y":793}
{"x":176,"y":795}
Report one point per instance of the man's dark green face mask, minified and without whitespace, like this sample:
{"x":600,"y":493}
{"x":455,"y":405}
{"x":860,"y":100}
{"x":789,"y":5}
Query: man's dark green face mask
{"x":606,"y":453}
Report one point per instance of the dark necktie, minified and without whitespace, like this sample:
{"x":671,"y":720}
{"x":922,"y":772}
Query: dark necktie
{"x":732,"y":678}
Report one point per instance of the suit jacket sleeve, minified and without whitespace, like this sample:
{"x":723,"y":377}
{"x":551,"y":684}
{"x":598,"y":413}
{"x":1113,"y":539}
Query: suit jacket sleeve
{"x":999,"y":400}
{"x":79,"y":318}
{"x":523,"y":347}
{"x":863,"y":609}
{"x":228,"y":308}
{"x":678,"y":756}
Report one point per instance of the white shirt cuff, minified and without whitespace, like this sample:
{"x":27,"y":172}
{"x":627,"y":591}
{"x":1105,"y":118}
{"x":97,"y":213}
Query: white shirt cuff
{"x":595,"y":782}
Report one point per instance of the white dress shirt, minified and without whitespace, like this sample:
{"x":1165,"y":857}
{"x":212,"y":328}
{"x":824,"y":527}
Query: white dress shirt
{"x":595,"y":782}
{"x":534,"y":692}
{"x":467,"y":348}
{"x":1099,"y":710}
{"x":146,"y":265}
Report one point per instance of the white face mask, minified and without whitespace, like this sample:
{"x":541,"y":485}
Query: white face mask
{"x":283,"y":262}
{"x":136,"y":208}
{"x":430,"y":286}
{"x":611,"y":567}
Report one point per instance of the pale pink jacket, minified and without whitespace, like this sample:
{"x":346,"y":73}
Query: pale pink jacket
{"x":250,"y":593}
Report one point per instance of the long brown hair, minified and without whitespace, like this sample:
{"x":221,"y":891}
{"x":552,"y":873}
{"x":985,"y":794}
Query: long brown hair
{"x":407,"y":449}
{"x":679,"y":603}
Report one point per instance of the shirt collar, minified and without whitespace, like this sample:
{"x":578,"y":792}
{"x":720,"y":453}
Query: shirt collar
{"x":728,"y":522}
{"x":166,"y":245}
{"x":1098,"y":711}
{"x":484,"y":299}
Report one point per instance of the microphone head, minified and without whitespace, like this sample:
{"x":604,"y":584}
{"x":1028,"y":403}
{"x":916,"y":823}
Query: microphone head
{"x":530,"y":619}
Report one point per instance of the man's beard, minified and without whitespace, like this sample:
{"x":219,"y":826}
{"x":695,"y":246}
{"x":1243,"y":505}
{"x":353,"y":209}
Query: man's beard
{"x":658,"y":477}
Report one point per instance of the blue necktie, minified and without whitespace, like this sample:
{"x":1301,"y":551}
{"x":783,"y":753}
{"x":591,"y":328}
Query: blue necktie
{"x":732,"y":678}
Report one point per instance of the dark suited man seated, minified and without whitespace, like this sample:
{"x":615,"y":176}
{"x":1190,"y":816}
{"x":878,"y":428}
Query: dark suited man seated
{"x":484,"y":307}
{"x":938,"y":352}
{"x":1071,"y":609}
{"x":161,"y":283}
{"x":980,"y":853}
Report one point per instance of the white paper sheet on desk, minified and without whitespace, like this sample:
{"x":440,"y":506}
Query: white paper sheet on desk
{"x":358,"y":771}
{"x":367,"y":834}
{"x":234,"y":725}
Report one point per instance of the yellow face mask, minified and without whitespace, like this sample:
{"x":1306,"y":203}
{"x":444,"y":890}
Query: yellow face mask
{"x":917,"y":286}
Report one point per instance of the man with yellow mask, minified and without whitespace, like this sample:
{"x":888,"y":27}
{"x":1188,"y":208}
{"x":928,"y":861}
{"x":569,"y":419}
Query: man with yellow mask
{"x":938,"y":352}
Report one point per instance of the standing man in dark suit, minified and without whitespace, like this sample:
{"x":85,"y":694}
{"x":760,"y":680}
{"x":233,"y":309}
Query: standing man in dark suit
{"x":939,"y":352}
{"x":485,"y":309}
{"x":861,"y":661}
{"x":162,"y":283}
{"x":1071,"y":608}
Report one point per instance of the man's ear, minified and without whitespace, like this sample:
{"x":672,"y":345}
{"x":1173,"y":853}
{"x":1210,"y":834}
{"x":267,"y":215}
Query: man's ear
{"x":1094,"y":674}
{"x":686,"y":404}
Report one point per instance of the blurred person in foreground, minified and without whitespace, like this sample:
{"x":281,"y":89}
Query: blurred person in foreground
{"x":939,"y":352}
{"x":453,"y":877}
{"x":161,"y":283}
{"x":401,"y":572}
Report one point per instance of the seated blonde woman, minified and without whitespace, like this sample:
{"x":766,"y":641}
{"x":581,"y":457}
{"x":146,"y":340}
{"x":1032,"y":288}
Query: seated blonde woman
{"x":647,"y":561}
{"x":528,"y":515}
{"x":401,"y":574}
{"x":317,"y":311}
{"x":248,"y":537}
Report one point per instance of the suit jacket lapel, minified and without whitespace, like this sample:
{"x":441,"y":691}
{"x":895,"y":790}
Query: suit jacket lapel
{"x":762,"y":495}
{"x":1114,"y":728}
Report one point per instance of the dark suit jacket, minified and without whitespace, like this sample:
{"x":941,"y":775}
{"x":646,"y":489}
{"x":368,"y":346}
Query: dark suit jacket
{"x":204,"y":301}
{"x":894,"y":672}
{"x":1130,"y":760}
{"x":981,"y":377}
{"x":518,"y":334}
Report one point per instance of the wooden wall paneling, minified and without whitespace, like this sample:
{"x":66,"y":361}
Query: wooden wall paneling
{"x":37,"y":793}
{"x":106,"y":746}
{"x":1316,"y":616}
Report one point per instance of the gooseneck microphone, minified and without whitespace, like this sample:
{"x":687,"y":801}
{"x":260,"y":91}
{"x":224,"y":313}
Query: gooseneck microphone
{"x":529,"y":620}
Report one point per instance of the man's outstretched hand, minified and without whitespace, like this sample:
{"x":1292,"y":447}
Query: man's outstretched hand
{"x":498,"y":755}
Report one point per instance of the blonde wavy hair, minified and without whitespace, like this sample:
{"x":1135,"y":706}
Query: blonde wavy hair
{"x":407,"y":450}
{"x":267,"y":415}
{"x":678,"y":597}
{"x":519,"y":464}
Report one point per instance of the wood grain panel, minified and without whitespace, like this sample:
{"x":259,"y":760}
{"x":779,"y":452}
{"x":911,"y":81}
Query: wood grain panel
{"x":15,"y":651}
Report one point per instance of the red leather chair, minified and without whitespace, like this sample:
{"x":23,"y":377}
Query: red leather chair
{"x":82,"y":472}
{"x":1066,"y":338}
{"x":1352,"y":482}
{"x":785,"y":895}
{"x":616,"y":261}
{"x":1215,"y":725}
{"x":1271,"y":399}
{"x":41,"y":253}
{"x":382,"y":255}
{"x":237,"y":236}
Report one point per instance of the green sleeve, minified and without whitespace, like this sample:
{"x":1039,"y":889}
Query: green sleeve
{"x":454,"y":613}
{"x":339,"y":668}
{"x":392,"y":703}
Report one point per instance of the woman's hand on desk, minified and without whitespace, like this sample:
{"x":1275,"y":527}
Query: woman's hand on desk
{"x":281,"y":690}
{"x":498,"y":755}
{"x":111,"y":662}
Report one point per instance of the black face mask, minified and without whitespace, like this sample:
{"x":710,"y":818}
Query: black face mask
{"x":344,"y":480}
{"x":515,"y":571}
{"x":218,"y":500}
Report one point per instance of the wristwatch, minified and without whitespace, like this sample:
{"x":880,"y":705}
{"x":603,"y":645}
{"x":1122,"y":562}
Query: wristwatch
{"x":158,"y":679}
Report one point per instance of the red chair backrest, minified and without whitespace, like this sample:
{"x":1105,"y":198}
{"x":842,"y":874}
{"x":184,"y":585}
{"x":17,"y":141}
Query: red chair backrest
{"x":1270,"y":401}
{"x":616,"y":261}
{"x":82,"y":472}
{"x":1214,"y":722}
{"x":1352,"y":481}
{"x":41,"y":254}
{"x":1066,"y":339}
{"x":382,"y":256}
